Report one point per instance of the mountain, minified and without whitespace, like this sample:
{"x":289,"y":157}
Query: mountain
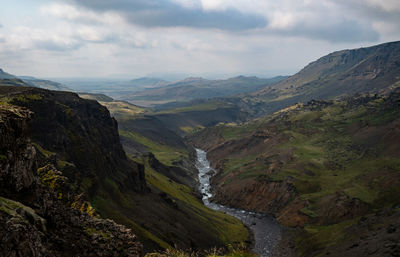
{"x":4,"y":75}
{"x":13,"y":80}
{"x":371,"y":69}
{"x":344,"y":72}
{"x":329,"y":167}
{"x":46,"y":84}
{"x":80,"y":140}
{"x":198,"y":88}
{"x":97,"y":97}
{"x":146,"y":82}
{"x":115,"y":88}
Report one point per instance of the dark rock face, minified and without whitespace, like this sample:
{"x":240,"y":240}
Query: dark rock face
{"x":15,"y":174}
{"x":80,"y":132}
{"x":40,"y":213}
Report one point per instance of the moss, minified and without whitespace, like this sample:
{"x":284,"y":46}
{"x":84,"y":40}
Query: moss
{"x":43,"y":151}
{"x":50,"y":177}
{"x":93,"y":231}
{"x":3,"y":157}
{"x":10,"y":207}
{"x":62,"y":164}
{"x":27,"y":98}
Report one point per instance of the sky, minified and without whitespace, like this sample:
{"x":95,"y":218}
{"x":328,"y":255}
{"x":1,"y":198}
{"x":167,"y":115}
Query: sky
{"x":209,"y":38}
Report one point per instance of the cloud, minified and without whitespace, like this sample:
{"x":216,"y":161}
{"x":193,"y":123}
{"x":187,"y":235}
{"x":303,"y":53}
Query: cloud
{"x":79,"y":15}
{"x":383,"y":10}
{"x":343,"y":31}
{"x":163,"y":13}
{"x":56,"y":46}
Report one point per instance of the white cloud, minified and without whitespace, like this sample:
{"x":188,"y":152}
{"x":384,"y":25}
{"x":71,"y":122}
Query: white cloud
{"x":386,"y":5}
{"x":73,"y":13}
{"x":68,"y":39}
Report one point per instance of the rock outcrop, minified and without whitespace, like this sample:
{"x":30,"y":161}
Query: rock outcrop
{"x":79,"y":137}
{"x":40,"y":212}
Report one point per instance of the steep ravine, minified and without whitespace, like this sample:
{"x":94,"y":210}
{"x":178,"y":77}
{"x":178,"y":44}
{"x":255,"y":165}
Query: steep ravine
{"x":266,"y":230}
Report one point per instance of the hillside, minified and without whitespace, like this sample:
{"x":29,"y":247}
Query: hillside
{"x":46,"y":84}
{"x":330,"y":167}
{"x":80,"y":139}
{"x":115,"y":88}
{"x":12,"y":80}
{"x":198,"y":88}
{"x":5,"y":75}
{"x":373,"y":69}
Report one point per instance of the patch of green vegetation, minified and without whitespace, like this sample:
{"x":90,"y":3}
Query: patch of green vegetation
{"x":102,"y":203}
{"x":307,"y":211}
{"x":43,"y":151}
{"x":3,"y":157}
{"x":233,"y":164}
{"x":94,"y":231}
{"x":123,"y":110}
{"x":10,"y":207}
{"x":49,"y":177}
{"x":190,"y":130}
{"x":318,"y":238}
{"x":164,"y":153}
{"x":384,"y":117}
{"x":207,"y":106}
{"x":27,"y":98}
{"x":62,"y":164}
{"x":230,"y":132}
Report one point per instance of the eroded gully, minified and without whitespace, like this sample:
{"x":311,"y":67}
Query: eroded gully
{"x":266,"y":230}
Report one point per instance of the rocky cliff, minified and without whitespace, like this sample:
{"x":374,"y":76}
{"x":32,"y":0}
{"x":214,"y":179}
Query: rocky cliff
{"x":78,"y":138}
{"x":40,"y":213}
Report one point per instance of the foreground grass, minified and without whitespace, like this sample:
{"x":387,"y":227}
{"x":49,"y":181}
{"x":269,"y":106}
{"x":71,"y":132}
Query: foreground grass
{"x":230,"y":251}
{"x":228,"y":228}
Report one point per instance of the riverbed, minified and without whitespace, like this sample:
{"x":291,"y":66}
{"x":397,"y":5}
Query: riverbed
{"x":266,"y":231}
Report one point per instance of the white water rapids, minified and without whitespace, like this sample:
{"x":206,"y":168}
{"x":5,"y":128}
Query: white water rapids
{"x":266,"y":230}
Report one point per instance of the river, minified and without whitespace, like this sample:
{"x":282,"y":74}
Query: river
{"x":267,"y":232}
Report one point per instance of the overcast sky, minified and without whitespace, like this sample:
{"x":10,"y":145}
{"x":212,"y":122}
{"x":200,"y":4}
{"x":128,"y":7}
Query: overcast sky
{"x":221,"y":38}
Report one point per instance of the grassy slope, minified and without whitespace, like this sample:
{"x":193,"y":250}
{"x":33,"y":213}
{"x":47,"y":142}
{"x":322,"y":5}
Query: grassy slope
{"x":339,"y":147}
{"x":224,"y":226}
{"x":221,"y":227}
{"x":164,"y":153}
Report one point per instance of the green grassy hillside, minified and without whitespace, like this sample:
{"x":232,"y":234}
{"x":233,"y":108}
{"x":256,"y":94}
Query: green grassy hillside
{"x":323,"y":166}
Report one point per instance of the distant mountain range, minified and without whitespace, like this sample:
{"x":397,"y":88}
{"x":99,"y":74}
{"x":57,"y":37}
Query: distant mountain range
{"x":5,"y":75}
{"x":198,"y":88}
{"x":13,"y":80}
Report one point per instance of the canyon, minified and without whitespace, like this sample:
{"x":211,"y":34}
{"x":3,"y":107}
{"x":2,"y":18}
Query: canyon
{"x":316,"y":152}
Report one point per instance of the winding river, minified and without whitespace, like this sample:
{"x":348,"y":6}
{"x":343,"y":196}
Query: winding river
{"x":266,"y":230}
